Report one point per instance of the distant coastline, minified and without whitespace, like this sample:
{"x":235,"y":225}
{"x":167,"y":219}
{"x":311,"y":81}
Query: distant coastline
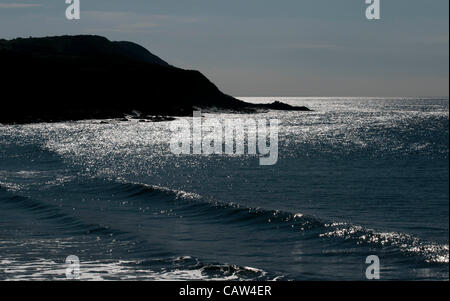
{"x":66,"y":78}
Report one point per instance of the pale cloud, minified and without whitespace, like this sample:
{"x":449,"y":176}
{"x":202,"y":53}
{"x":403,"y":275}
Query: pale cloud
{"x":313,"y":46}
{"x":120,"y":22}
{"x":118,"y":16}
{"x":131,"y":22}
{"x":108,"y":15}
{"x":18,"y":5}
{"x":125,"y":28}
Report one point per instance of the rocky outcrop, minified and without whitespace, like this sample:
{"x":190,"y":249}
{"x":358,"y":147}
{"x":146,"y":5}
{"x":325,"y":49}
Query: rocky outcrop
{"x":89,"y":77}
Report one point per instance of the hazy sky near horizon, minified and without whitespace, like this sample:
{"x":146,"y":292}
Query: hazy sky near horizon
{"x":269,"y":48}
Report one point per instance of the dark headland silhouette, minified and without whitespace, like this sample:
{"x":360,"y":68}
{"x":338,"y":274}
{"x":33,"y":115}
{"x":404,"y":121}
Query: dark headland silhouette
{"x":89,"y":77}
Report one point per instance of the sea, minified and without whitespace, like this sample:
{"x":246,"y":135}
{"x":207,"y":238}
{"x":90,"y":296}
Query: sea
{"x":355,"y":177}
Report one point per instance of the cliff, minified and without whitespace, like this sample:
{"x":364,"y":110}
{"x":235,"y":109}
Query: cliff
{"x":85,"y":77}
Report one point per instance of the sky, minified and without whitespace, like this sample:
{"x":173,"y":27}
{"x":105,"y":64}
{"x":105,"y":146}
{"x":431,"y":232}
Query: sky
{"x":268,"y":48}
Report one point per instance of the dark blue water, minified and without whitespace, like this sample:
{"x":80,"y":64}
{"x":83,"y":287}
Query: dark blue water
{"x":356,"y":177}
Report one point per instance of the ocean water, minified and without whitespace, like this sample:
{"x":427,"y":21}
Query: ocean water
{"x":355,"y":177}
